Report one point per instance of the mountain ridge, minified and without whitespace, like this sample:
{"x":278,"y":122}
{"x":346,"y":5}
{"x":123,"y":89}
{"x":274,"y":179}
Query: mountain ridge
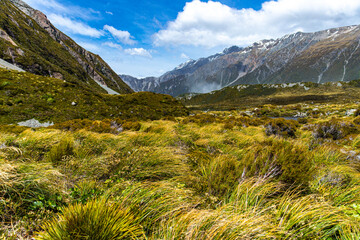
{"x":324,"y":56}
{"x":29,"y":41}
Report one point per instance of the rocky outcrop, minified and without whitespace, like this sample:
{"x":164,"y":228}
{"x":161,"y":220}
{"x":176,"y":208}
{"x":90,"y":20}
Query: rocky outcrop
{"x":7,"y":38}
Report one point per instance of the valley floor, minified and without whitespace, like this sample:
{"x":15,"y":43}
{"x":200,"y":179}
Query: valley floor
{"x":217,"y":175}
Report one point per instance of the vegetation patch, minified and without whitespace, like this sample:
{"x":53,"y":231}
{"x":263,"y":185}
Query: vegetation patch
{"x":281,"y":127}
{"x":334,"y":129}
{"x":27,"y":97}
{"x":214,"y":175}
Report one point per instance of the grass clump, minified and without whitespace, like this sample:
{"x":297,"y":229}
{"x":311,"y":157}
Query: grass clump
{"x":97,"y":219}
{"x":64,"y":148}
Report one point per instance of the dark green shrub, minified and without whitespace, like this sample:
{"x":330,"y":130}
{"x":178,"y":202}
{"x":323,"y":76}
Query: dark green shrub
{"x":303,"y":120}
{"x":280,"y":159}
{"x":229,"y":125}
{"x":281,"y":127}
{"x":134,"y":126}
{"x":333,"y":129}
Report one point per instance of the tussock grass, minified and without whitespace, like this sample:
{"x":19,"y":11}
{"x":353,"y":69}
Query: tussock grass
{"x":188,"y":178}
{"x":97,"y":219}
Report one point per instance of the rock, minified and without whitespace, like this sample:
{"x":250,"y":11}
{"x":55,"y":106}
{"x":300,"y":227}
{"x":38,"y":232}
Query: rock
{"x":350,"y":112}
{"x":73,"y":104}
{"x":33,"y":123}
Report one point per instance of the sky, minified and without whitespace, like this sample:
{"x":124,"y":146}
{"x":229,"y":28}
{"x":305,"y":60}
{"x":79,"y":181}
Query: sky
{"x":148,"y":38}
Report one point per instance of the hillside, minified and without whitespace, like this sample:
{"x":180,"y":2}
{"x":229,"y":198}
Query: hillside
{"x":243,"y":96}
{"x":30,"y":41}
{"x":25,"y":96}
{"x":327,"y":56}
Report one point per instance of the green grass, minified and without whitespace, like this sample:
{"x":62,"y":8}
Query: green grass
{"x":243,"y":96}
{"x":26,"y":96}
{"x":45,"y":56}
{"x":218,"y":175}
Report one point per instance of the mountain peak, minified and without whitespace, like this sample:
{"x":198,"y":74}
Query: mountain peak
{"x":324,"y":56}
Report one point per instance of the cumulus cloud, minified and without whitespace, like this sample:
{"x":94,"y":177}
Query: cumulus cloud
{"x":110,"y":13}
{"x":213,"y":24}
{"x":73,"y":26}
{"x":138,"y":52}
{"x":122,"y":36}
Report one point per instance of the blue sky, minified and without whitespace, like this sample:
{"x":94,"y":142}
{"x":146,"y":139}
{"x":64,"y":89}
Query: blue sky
{"x":147,"y":38}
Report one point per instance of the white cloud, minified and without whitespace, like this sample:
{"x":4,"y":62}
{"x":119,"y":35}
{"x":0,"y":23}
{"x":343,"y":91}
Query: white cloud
{"x":68,"y":25}
{"x":110,"y":13}
{"x":212,"y":24}
{"x":122,"y":36}
{"x":183,"y":55}
{"x":47,"y":3}
{"x":112,"y":45}
{"x":55,"y":7}
{"x":138,"y":52}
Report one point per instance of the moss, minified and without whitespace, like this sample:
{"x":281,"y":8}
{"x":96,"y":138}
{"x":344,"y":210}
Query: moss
{"x":12,"y":129}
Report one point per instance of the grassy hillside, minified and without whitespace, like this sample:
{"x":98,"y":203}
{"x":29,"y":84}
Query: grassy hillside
{"x":25,"y":96}
{"x":33,"y":49}
{"x":220,"y":175}
{"x":243,"y":96}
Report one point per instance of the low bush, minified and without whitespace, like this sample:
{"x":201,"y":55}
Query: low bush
{"x":333,"y":129}
{"x":114,"y":126}
{"x":281,"y":127}
{"x":279,"y":159}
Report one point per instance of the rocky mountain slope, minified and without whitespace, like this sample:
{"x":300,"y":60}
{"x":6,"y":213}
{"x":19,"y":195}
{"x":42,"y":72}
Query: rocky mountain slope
{"x":325,"y":56}
{"x":31,"y":42}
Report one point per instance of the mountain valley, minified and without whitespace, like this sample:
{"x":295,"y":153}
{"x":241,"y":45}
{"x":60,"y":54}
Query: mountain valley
{"x":261,"y":142}
{"x":325,"y":56}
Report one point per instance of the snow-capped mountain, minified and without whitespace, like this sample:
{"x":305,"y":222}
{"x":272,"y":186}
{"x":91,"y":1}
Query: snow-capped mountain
{"x":324,"y":56}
